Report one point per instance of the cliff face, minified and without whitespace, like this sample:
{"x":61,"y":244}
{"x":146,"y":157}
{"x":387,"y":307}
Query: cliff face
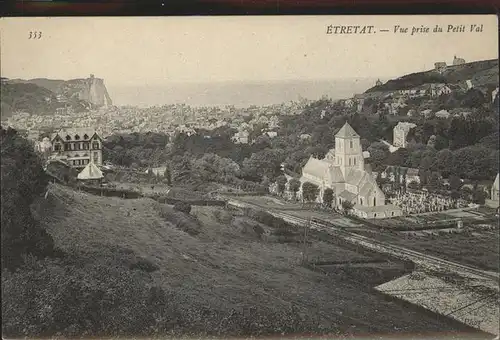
{"x":91,"y":90}
{"x":94,"y":91}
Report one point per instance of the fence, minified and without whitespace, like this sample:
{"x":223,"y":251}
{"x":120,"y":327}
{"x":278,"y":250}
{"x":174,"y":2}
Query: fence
{"x":108,"y":192}
{"x":129,"y":194}
{"x":172,"y":201}
{"x":248,"y":193}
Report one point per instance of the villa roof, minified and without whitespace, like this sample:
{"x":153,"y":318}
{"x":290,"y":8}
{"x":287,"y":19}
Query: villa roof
{"x":73,"y":133}
{"x":346,"y":132}
{"x":91,"y":171}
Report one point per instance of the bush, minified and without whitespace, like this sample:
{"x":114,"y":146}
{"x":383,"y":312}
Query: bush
{"x":183,"y":207}
{"x":187,"y":223}
{"x":145,"y":265}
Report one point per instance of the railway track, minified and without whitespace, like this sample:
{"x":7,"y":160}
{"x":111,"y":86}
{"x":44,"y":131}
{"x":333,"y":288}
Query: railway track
{"x":422,"y":259}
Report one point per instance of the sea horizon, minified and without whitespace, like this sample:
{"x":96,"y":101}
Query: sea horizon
{"x":236,"y":93}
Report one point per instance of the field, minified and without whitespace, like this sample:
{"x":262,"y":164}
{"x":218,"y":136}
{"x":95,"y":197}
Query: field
{"x":437,"y":219}
{"x":223,"y":278}
{"x":299,"y":210}
{"x":476,"y":245}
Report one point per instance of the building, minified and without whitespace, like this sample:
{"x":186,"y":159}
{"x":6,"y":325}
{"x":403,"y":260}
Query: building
{"x":271,"y":134}
{"x":91,"y":174}
{"x":305,"y":136}
{"x":44,"y":146}
{"x":442,"y":114}
{"x":400,"y":133}
{"x":159,"y":171}
{"x":440,"y":66}
{"x":493,"y":202}
{"x":343,"y":170}
{"x":437,"y":90}
{"x":458,"y":61}
{"x":378,"y":83}
{"x":400,"y":174}
{"x":494,"y":94}
{"x":241,"y":137}
{"x":77,"y":146}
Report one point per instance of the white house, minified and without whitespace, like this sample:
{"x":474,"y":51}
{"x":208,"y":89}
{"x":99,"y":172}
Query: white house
{"x":442,"y":114}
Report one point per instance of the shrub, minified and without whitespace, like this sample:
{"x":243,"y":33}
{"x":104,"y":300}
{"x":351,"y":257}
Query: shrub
{"x":187,"y":223}
{"x":183,"y":207}
{"x":145,"y":265}
{"x":258,"y":230}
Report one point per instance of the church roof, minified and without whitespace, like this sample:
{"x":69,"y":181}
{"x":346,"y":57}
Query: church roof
{"x":91,"y":171}
{"x":334,"y":175}
{"x":366,"y":189}
{"x":354,"y":177}
{"x":347,"y":195}
{"x":346,"y":132}
{"x":368,"y":168}
{"x":315,"y":167}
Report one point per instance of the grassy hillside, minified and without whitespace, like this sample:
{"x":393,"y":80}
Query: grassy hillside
{"x":147,"y":276}
{"x":25,"y":97}
{"x":52,"y":85}
{"x":481,"y":73}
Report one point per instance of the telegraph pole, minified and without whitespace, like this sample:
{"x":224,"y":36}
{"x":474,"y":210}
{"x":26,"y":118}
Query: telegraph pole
{"x":307,"y":226}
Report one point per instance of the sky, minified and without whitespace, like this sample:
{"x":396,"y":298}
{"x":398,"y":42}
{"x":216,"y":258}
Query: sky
{"x":164,"y":50}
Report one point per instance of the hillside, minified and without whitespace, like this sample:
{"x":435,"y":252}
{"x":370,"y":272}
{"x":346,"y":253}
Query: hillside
{"x":482,"y":74}
{"x":52,"y":85}
{"x":224,"y":280}
{"x":43,"y":96}
{"x":26,"y":98}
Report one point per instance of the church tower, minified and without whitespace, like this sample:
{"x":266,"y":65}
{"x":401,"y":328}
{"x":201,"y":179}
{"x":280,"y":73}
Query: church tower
{"x":348,"y":151}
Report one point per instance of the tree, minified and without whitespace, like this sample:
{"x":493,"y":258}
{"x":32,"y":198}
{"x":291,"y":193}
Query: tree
{"x":266,"y":162}
{"x":478,"y":196}
{"x":22,"y":180}
{"x":378,"y":154}
{"x":434,"y":182}
{"x":455,"y":183}
{"x":444,"y":161}
{"x":294,"y":186}
{"x":455,"y":195}
{"x":168,"y":176}
{"x":413,"y":185}
{"x":328,"y":197}
{"x":183,"y":207}
{"x":466,"y":193}
{"x":281,"y":182}
{"x":310,"y":191}
{"x":347,"y":206}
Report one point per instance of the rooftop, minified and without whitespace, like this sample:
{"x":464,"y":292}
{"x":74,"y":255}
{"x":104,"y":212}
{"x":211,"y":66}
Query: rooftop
{"x":346,"y":132}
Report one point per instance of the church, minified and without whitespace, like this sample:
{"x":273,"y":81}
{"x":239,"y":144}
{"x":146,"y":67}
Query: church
{"x":344,"y":171}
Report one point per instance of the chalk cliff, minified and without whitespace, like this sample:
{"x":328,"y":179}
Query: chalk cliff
{"x":94,"y":91}
{"x":90,"y":90}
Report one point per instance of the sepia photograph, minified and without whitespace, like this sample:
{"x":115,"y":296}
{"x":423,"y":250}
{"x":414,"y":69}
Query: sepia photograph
{"x":259,"y":177}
